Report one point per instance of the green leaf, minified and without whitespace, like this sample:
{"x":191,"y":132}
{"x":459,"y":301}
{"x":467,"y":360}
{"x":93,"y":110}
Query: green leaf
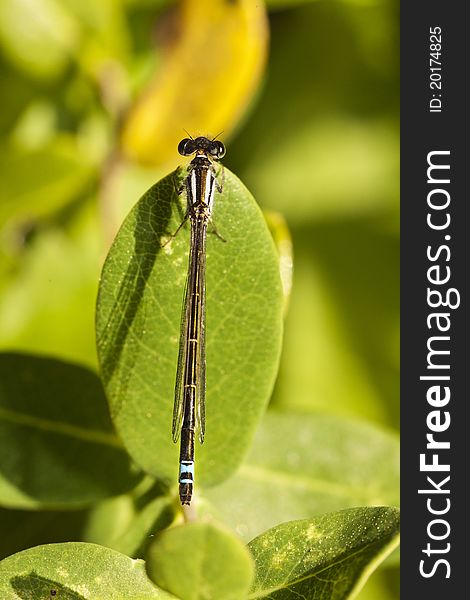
{"x":57,"y":444}
{"x":105,"y":34}
{"x":155,"y":516}
{"x":38,"y":36}
{"x":138,"y":322}
{"x":383,"y":584}
{"x":328,"y":557}
{"x":47,"y":304}
{"x":302,"y":465}
{"x":283,"y":240}
{"x":107,"y":520}
{"x":38,"y":182}
{"x":17,"y":94}
{"x":76,"y":571}
{"x":200,"y":561}
{"x":128,"y":523}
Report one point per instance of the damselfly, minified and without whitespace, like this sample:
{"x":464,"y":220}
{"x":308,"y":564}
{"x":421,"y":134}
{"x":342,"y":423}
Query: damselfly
{"x":190,"y":387}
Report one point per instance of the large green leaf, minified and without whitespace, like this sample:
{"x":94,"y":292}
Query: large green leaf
{"x":57,"y":444}
{"x":75,"y":571}
{"x":200,"y":561}
{"x":138,"y":320}
{"x":303,"y":465}
{"x":299,"y":466}
{"x":327,"y":557}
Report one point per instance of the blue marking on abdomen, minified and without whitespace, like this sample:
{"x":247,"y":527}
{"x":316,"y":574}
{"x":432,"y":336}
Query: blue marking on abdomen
{"x":185,"y":469}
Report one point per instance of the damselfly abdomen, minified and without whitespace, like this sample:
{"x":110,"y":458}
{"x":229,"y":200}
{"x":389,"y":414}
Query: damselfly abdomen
{"x":190,"y":388}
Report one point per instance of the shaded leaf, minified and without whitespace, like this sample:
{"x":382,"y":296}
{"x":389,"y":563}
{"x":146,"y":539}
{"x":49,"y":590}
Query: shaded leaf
{"x":200,"y":561}
{"x":17,"y":92}
{"x":302,"y":465}
{"x":327,"y":557}
{"x":138,"y":320}
{"x":75,"y":571}
{"x":22,"y":529}
{"x":57,"y":444}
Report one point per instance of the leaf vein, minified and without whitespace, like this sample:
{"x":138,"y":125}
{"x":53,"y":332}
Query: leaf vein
{"x":263,"y":473}
{"x":78,"y":432}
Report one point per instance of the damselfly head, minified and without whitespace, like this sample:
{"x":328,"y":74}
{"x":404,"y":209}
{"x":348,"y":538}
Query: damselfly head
{"x":201,"y":145}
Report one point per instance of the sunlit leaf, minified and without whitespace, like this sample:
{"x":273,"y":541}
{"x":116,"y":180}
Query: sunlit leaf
{"x":75,"y":571}
{"x":138,"y":319}
{"x":304,"y":465}
{"x":327,"y":557}
{"x":282,"y":238}
{"x":37,"y":35}
{"x":58,"y":448}
{"x":200,"y":561}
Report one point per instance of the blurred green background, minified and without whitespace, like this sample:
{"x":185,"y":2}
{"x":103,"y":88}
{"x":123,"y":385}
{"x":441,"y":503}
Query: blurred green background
{"x":311,"y":126}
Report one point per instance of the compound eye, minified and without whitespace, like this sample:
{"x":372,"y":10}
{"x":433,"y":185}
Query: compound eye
{"x":186,"y":147}
{"x":218,"y":149}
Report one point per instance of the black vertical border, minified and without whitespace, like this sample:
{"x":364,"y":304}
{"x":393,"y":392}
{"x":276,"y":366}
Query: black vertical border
{"x":422,"y":132}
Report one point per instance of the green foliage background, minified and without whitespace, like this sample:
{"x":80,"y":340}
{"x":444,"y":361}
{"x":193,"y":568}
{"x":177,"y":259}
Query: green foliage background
{"x":319,"y":145}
